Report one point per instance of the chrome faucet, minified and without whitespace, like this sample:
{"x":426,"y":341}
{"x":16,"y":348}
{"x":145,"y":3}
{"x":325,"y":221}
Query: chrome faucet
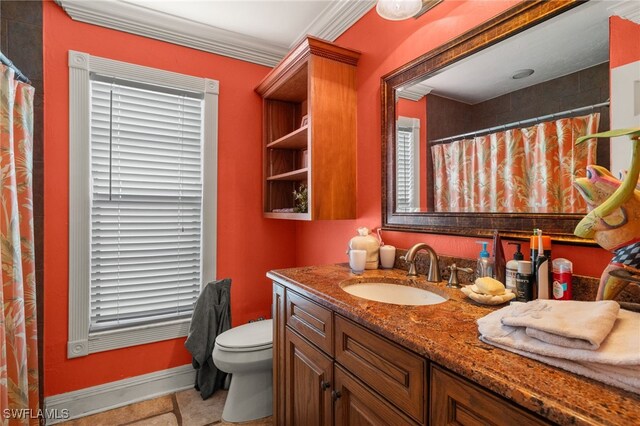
{"x":434,"y":269}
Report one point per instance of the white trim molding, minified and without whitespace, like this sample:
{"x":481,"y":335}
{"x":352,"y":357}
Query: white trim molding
{"x":116,"y":394}
{"x":415,"y":92}
{"x":81,"y":341}
{"x":139,"y":20}
{"x":338,"y":17}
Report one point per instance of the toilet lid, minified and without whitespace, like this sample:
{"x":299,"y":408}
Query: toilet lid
{"x":253,"y":336}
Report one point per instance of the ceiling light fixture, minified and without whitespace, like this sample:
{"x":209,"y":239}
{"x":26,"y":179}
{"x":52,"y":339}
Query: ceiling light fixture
{"x":397,"y":10}
{"x":522,"y":74}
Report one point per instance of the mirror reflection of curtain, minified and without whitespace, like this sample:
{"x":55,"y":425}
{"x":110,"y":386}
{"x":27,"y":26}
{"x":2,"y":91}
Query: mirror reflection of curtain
{"x":18,"y":328}
{"x":528,"y":170}
{"x":408,"y":165}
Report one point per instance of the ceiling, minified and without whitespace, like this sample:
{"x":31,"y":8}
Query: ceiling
{"x":281,"y":22}
{"x":573,"y":41}
{"x":259,"y":31}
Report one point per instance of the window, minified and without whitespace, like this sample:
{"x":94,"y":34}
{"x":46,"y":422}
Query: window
{"x":407,"y":165}
{"x":142,"y":201}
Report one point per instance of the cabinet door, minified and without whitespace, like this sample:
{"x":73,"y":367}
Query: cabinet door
{"x":309,"y":380}
{"x":357,"y":405}
{"x":279,"y":321}
{"x":455,"y":401}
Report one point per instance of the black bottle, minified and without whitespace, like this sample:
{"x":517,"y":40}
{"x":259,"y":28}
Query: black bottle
{"x":524,"y":282}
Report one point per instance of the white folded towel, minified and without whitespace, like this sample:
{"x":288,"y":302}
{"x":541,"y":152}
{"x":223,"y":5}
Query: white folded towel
{"x":572,"y":324}
{"x":627,"y":378}
{"x":616,"y":362}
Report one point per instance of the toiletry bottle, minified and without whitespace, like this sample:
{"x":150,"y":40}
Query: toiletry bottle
{"x":524,"y":282}
{"x":533,"y":244}
{"x":542,"y":271}
{"x":498,"y":258}
{"x":562,"y":275}
{"x":511,"y":268}
{"x":485,"y":263}
{"x":365,"y":241}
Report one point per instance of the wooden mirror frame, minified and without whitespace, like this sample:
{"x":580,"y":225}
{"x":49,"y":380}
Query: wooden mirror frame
{"x":516,"y":225}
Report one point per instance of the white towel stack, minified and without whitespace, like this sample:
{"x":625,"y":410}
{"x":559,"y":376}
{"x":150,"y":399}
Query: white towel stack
{"x":594,"y":339}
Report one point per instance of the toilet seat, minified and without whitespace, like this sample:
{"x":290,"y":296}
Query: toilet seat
{"x":254,"y":336}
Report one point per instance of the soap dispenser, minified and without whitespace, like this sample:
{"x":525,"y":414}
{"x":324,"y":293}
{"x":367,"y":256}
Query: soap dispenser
{"x":511,"y":269}
{"x":366,"y":241}
{"x":485,"y":263}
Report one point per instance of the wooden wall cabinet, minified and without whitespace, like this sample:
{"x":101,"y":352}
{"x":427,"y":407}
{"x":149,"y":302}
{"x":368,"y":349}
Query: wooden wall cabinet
{"x":316,"y":82}
{"x":329,"y":370}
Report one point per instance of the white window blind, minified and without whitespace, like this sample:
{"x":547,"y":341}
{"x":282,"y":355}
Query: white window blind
{"x":146,"y":203}
{"x":407,"y":165}
{"x":404,"y":170}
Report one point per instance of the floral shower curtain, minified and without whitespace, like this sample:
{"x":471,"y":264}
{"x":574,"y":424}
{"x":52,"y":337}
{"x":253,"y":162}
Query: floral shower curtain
{"x":18,"y":325}
{"x":518,"y":170}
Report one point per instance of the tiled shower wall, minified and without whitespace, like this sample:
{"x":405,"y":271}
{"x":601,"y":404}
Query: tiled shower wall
{"x":21,"y":42}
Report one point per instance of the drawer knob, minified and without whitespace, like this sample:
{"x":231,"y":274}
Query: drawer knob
{"x":336,"y":395}
{"x":325,"y":385}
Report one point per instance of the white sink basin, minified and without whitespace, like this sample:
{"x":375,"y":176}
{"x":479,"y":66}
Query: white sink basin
{"x":393,"y":293}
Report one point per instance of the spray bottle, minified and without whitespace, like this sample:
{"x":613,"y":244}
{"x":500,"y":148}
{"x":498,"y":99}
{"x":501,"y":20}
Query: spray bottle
{"x":542,"y":269}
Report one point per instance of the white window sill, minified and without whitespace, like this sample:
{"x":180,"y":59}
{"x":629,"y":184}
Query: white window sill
{"x":132,"y":336}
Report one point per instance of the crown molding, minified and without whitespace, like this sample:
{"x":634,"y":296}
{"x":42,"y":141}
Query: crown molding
{"x":139,"y":20}
{"x":627,"y":10}
{"x":410,"y":95}
{"x":336,"y":19}
{"x":142,"y":21}
{"x":415,"y":92}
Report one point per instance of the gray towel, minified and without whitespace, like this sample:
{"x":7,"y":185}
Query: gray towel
{"x":211,"y":316}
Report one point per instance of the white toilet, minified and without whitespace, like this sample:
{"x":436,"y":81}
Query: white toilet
{"x":246,"y":352}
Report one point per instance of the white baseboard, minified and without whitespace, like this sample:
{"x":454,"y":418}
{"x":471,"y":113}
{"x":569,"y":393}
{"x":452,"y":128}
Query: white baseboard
{"x":104,"y":397}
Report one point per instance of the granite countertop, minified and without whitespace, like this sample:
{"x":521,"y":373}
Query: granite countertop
{"x":447,"y":334}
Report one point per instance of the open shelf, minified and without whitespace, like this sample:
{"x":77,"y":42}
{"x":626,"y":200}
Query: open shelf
{"x":295,"y":216}
{"x":295,"y":175}
{"x":314,"y":83}
{"x":294,"y":140}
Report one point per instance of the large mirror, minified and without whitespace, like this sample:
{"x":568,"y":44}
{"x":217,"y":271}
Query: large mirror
{"x":479,"y":134}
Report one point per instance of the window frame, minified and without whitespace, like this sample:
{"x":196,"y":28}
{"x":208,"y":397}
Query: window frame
{"x":414,"y":125}
{"x":81,"y":341}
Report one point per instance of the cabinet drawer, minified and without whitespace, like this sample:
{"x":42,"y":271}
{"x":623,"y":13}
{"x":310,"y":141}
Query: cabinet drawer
{"x":397,"y":374}
{"x":311,"y":320}
{"x":456,"y":401}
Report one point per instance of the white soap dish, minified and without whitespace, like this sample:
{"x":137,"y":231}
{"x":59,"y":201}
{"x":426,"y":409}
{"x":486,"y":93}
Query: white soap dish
{"x":487,"y":299}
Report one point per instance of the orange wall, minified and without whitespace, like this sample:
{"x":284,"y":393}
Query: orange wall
{"x":248,"y":245}
{"x":624,"y":42}
{"x":386,"y":45}
{"x":418,"y":109}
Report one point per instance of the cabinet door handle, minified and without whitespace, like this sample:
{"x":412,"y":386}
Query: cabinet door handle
{"x":325,"y":385}
{"x":335,"y":395}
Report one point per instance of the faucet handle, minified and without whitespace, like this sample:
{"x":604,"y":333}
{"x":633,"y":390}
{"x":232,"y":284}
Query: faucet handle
{"x":412,"y":266}
{"x":453,"y":278}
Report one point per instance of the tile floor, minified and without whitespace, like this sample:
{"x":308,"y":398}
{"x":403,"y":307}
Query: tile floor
{"x":184,"y":408}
